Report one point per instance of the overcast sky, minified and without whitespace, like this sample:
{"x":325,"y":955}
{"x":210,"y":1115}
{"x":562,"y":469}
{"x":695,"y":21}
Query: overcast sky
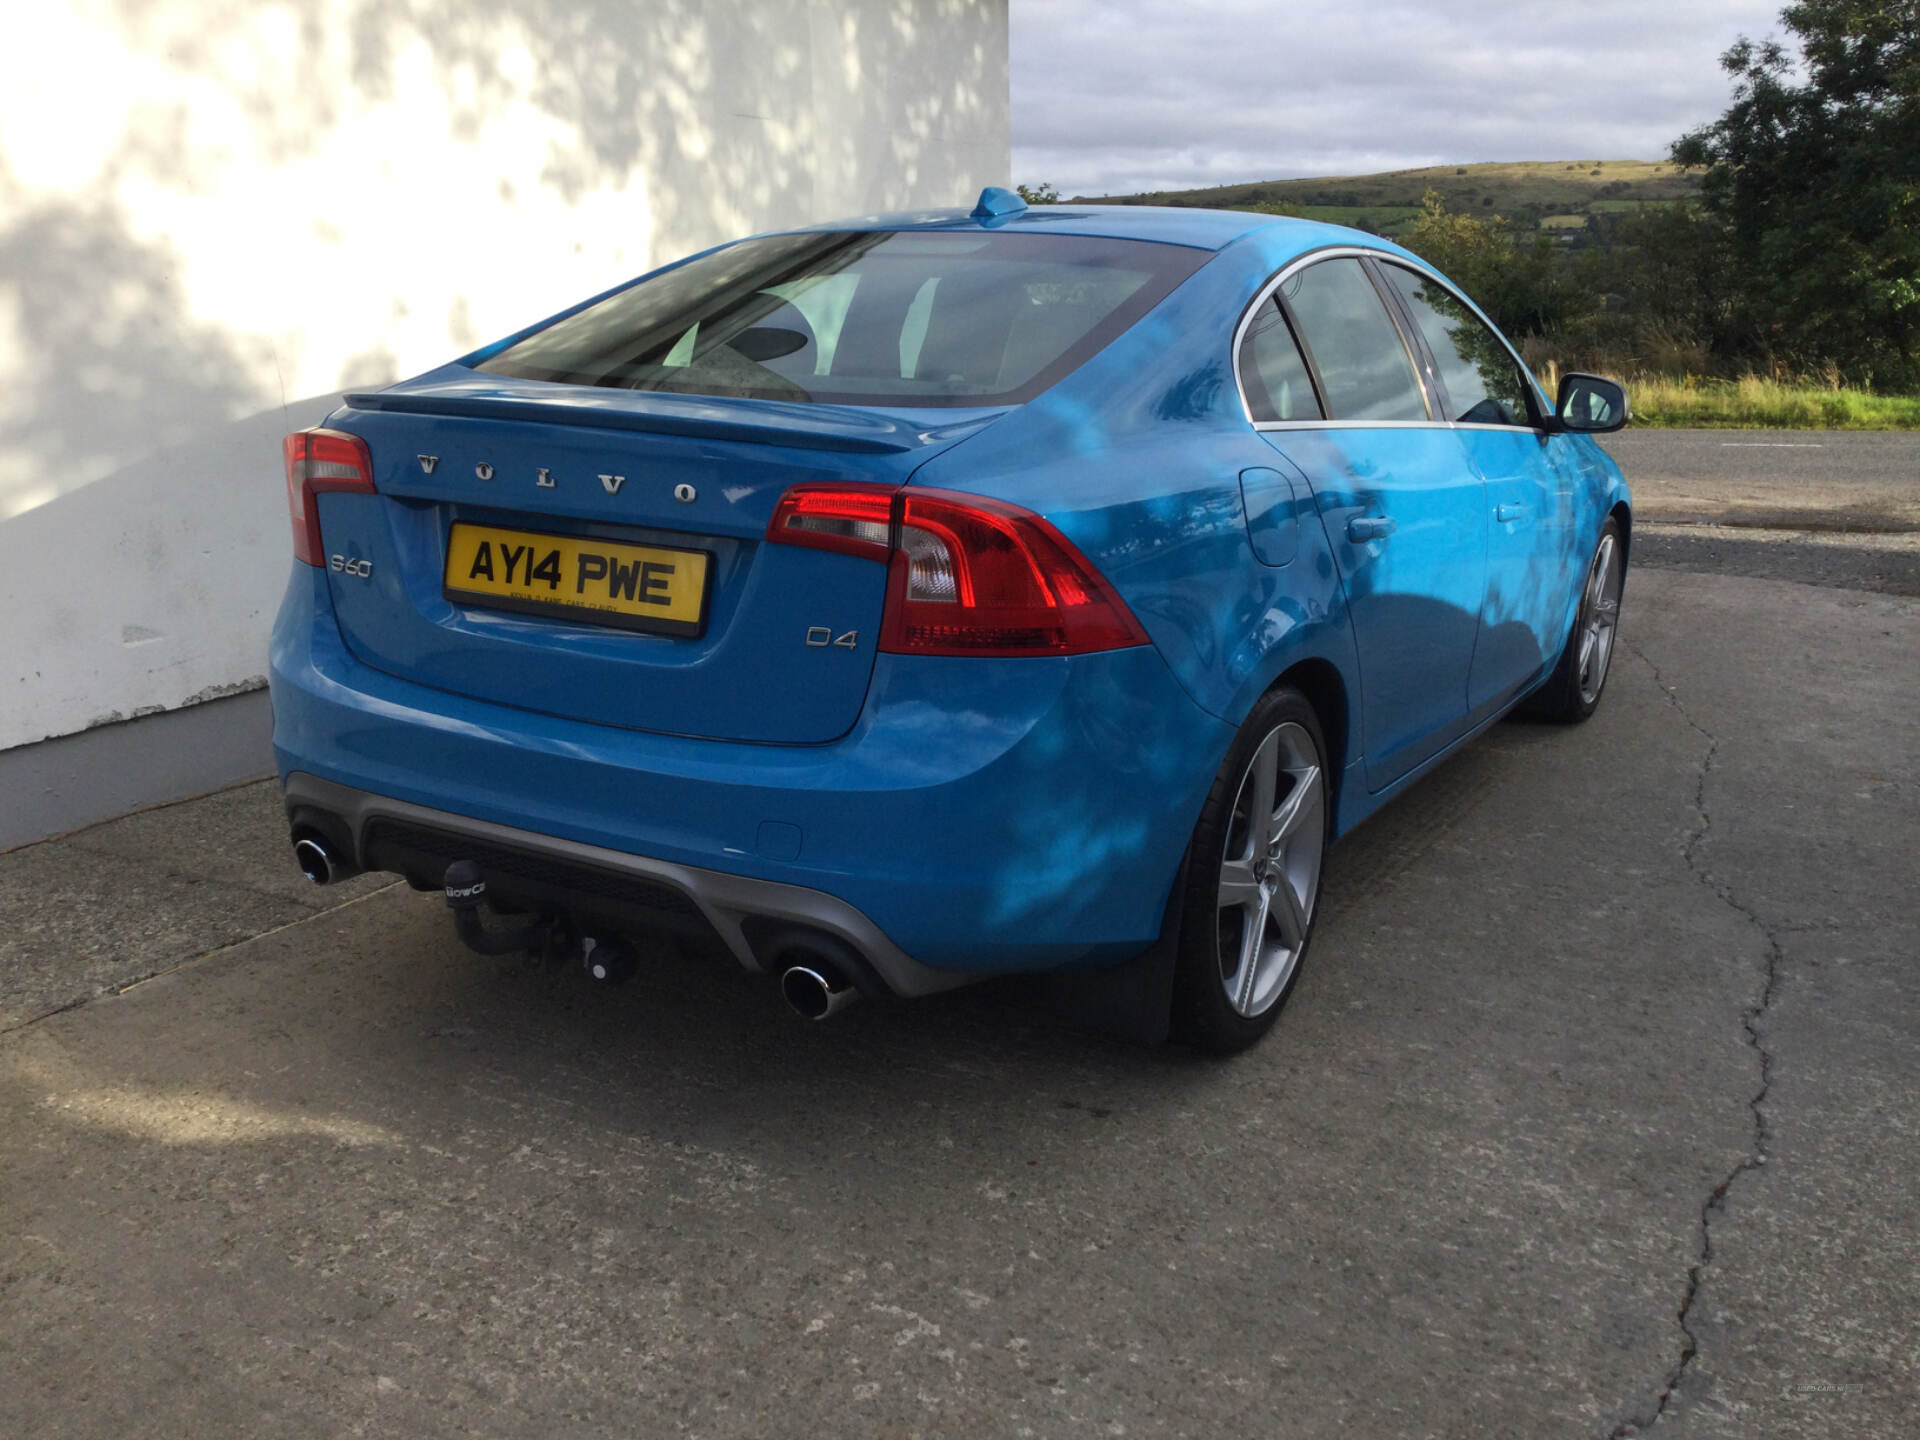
{"x":1116,"y":96}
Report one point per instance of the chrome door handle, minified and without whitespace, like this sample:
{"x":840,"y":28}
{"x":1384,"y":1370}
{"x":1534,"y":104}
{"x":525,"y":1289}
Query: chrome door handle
{"x":1362,"y":528}
{"x":1508,"y":511}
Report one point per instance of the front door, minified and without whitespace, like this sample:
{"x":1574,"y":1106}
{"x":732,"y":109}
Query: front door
{"x":1531,"y":564}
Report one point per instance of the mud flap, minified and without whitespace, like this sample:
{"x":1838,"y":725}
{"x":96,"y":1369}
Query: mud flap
{"x":1132,"y":1001}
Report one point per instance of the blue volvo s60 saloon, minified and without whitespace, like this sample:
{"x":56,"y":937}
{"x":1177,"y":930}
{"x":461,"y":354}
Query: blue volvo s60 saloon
{"x":935,"y":596}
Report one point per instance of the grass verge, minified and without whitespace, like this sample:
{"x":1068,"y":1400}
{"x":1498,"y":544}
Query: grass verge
{"x":1751,"y":403}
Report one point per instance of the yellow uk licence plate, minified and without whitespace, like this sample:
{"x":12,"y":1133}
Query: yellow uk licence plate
{"x":578,"y":578}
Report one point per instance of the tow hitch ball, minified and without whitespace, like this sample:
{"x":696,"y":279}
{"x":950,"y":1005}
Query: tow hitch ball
{"x":607,"y":962}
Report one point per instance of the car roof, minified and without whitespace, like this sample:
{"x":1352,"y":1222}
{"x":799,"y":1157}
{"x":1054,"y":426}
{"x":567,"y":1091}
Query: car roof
{"x":1166,"y":224}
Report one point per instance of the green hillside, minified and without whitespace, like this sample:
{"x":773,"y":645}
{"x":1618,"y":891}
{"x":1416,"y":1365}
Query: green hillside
{"x":1556,"y":195}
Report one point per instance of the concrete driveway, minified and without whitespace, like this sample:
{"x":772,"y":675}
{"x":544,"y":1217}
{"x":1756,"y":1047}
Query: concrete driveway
{"x":1596,"y":1106}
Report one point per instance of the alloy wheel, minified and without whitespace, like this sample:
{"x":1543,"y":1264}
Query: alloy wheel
{"x":1599,"y":616}
{"x":1270,"y":870}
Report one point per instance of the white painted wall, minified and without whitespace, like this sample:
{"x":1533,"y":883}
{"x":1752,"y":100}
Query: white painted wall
{"x":217,"y":214}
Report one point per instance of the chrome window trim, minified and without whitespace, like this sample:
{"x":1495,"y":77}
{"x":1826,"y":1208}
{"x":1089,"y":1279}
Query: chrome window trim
{"x":1546,"y":405}
{"x":1387,"y":257}
{"x":1365,"y":425}
{"x":1412,"y":342}
{"x":1265,"y":294}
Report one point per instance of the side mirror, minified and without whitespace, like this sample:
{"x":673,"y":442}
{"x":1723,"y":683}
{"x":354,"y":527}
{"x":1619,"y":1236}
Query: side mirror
{"x":1591,"y":404}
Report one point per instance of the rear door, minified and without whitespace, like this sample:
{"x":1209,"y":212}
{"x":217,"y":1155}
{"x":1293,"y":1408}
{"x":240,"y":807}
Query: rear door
{"x":1529,"y":500}
{"x":1402,"y":508}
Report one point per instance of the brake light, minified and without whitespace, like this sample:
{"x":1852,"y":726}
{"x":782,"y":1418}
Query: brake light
{"x":321,"y":460}
{"x":967,"y":575}
{"x":849,"y":519}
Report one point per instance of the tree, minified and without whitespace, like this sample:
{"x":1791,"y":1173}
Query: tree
{"x":1814,"y":183}
{"x":1661,"y":272}
{"x":1041,"y":194}
{"x":1519,"y":286}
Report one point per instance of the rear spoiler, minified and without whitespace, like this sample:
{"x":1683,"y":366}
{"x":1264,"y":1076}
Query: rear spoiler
{"x":753,"y":422}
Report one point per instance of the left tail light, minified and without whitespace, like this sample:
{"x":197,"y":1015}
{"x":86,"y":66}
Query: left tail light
{"x":967,"y":575}
{"x":321,"y":460}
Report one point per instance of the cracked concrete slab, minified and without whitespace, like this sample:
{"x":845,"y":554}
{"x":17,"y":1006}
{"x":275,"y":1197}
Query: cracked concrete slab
{"x":1804,"y":1317}
{"x":346,"y":1177}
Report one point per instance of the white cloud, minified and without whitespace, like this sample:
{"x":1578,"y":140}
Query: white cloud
{"x":1127,"y":95}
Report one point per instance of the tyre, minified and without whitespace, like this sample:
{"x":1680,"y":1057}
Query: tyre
{"x":1253,"y":878}
{"x":1572,"y":692}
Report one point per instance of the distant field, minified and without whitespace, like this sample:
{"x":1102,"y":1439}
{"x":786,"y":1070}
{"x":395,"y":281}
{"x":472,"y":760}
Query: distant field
{"x":1553,"y":186}
{"x":1557,"y":195}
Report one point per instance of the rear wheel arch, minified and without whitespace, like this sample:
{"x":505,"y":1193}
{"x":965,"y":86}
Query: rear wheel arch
{"x":1249,"y":890}
{"x":1320,"y":681}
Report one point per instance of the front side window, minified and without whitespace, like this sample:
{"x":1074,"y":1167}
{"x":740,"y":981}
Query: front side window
{"x":1272,"y":372}
{"x":1484,"y":386}
{"x":864,"y":317}
{"x":1365,"y":370}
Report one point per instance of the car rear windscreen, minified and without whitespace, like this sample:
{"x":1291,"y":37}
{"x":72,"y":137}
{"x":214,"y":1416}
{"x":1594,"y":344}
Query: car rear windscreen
{"x":862,"y":318}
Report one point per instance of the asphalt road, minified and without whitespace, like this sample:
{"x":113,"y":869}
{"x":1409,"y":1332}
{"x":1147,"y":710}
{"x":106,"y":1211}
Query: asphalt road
{"x":1819,"y":479}
{"x":1594,"y":1106}
{"x":1827,"y":507}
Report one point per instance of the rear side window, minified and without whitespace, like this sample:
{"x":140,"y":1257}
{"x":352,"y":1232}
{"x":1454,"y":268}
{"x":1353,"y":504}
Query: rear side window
{"x":868,"y":317}
{"x":1365,"y":371}
{"x":1484,"y":386}
{"x":1272,"y":372}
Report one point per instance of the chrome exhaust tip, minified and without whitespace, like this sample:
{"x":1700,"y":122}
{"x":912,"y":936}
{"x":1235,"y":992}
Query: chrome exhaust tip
{"x":315,"y":861}
{"x":814,"y":993}
{"x":609,"y":962}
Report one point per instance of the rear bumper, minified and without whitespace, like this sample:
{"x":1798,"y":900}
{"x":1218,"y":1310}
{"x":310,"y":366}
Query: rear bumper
{"x":752,"y":917}
{"x":982,"y":816}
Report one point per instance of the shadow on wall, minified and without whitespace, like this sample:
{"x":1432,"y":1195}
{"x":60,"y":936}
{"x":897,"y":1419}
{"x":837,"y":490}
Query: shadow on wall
{"x":745,"y":116}
{"x":116,"y":366}
{"x":760,"y":108}
{"x":154,"y":582}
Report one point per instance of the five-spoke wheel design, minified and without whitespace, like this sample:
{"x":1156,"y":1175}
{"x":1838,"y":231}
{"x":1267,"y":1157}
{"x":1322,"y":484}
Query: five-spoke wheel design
{"x":1599,"y":615}
{"x":1252,"y":876}
{"x":1270,"y":871}
{"x":1572,"y":692}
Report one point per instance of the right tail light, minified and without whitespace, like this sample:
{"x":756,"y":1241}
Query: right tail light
{"x":967,"y":575}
